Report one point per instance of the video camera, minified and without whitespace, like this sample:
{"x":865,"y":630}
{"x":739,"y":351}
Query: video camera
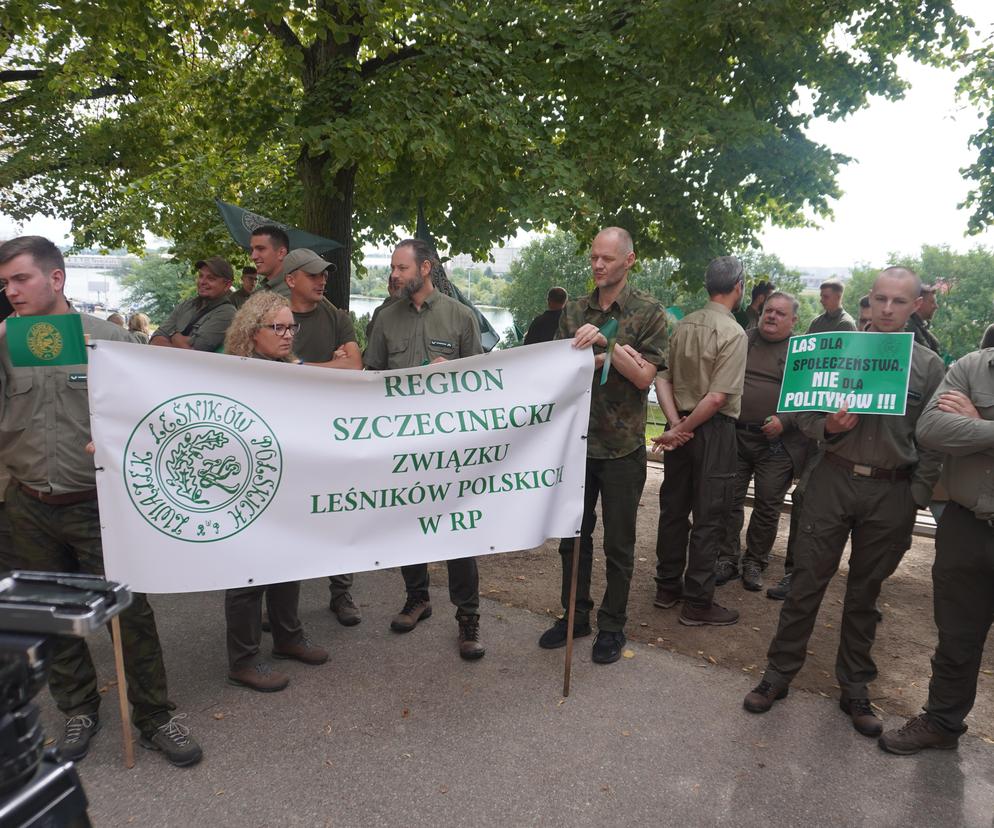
{"x":36,"y":608}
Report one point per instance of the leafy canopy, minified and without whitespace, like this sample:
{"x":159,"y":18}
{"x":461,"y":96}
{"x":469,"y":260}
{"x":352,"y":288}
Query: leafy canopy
{"x":682,"y":120}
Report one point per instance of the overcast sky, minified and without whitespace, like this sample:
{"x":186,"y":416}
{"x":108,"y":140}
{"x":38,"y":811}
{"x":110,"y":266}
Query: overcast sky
{"x":901,"y":190}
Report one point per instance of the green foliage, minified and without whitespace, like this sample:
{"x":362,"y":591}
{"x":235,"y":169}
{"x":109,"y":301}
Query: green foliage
{"x":680,"y":120}
{"x":965,"y":297}
{"x":156,"y":285}
{"x":359,"y":324}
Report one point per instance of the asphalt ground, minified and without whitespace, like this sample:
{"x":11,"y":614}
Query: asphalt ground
{"x":396,"y":730}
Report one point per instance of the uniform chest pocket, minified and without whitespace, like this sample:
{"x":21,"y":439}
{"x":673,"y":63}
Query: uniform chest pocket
{"x":984,"y":403}
{"x":397,"y":346}
{"x":441,"y":346}
{"x":15,"y":413}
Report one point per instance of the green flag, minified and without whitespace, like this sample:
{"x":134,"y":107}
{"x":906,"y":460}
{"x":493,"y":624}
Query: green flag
{"x":37,"y":341}
{"x":610,"y":331}
{"x":241,"y":223}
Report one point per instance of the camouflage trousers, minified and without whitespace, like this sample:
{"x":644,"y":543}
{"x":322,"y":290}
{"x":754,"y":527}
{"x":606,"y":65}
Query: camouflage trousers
{"x":67,"y":539}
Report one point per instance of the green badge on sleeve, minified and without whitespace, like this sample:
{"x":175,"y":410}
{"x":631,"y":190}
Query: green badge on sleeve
{"x":37,"y":341}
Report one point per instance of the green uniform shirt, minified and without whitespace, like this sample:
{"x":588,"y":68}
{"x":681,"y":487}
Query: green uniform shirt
{"x":617,"y":408}
{"x":886,"y":441}
{"x":968,"y":444}
{"x":45,"y":419}
{"x":707,"y":354}
{"x":403,"y":337}
{"x":240,"y":297}
{"x":376,"y":312}
{"x":923,"y":333}
{"x":207,"y":332}
{"x":827,"y":323}
{"x":322,"y":331}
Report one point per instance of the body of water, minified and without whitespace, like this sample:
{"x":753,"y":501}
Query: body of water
{"x":500,"y":318}
{"x":93,"y":286}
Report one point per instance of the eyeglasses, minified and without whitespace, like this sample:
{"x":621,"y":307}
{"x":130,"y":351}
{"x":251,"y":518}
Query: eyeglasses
{"x":280,"y":329}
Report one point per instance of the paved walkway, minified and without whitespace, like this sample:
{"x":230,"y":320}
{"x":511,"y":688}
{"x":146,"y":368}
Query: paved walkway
{"x":397,"y":731}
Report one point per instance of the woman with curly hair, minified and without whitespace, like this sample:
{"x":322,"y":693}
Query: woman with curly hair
{"x":264,"y":328}
{"x":141,"y":327}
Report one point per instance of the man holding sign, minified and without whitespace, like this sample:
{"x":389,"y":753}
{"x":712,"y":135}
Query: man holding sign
{"x":626,"y":329}
{"x":52,"y":497}
{"x":871,"y":480}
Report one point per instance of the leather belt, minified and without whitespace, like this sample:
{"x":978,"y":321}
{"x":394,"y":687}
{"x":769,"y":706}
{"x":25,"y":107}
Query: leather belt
{"x":67,"y":499}
{"x":868,"y":471}
{"x":752,"y":428}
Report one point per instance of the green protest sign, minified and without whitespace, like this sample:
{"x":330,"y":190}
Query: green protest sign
{"x":868,"y":372}
{"x":38,"y":341}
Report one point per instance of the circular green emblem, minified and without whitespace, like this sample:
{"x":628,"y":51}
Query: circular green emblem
{"x":44,"y":340}
{"x":202,"y":467}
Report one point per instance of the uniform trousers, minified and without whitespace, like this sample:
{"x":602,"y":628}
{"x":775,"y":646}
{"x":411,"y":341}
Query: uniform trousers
{"x":243,"y":614}
{"x":7,"y":556}
{"x":879,"y":515}
{"x":464,"y":584}
{"x":698,"y":479}
{"x":769,"y":464}
{"x":339,"y":585}
{"x":67,"y":539}
{"x":618,"y":482}
{"x":963,"y":596}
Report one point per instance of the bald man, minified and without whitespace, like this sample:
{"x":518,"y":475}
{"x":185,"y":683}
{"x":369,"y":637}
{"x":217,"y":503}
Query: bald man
{"x":615,"y":436}
{"x":869,"y":483}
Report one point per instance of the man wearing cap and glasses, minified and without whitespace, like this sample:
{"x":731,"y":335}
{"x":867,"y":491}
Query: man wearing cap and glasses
{"x":326,"y":338}
{"x":700,"y":393}
{"x":199,"y":324}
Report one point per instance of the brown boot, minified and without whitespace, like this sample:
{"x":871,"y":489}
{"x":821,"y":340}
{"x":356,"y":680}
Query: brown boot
{"x":345,"y":610}
{"x":415,"y":610}
{"x":305,"y":650}
{"x":760,"y":699}
{"x":713,"y":616}
{"x":261,"y":677}
{"x":666,"y":598}
{"x":469,"y":637}
{"x":863,"y":718}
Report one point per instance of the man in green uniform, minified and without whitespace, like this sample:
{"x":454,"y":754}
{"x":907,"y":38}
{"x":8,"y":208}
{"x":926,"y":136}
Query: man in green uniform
{"x":51,"y":502}
{"x":700,"y":392}
{"x":958,"y":422}
{"x":869,"y":483}
{"x":326,"y":338}
{"x":200,"y":323}
{"x":750,"y":316}
{"x":835,"y":317}
{"x":615,"y":469}
{"x":268,"y":247}
{"x":920,"y":323}
{"x":249,"y":277}
{"x":771,"y":451}
{"x":425,"y":326}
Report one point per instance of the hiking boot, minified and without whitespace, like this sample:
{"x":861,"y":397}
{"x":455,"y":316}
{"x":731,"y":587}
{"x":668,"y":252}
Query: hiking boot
{"x":175,"y":742}
{"x":713,"y":616}
{"x":760,"y":699}
{"x":345,"y":609}
{"x":725,"y":571}
{"x":304,"y":650}
{"x":752,"y":576}
{"x":667,"y":597}
{"x":781,"y":590}
{"x":470,"y":647}
{"x":607,"y":647}
{"x":555,"y":637}
{"x":261,"y":677}
{"x":75,"y":739}
{"x":918,"y":734}
{"x":415,"y":610}
{"x":863,"y":718}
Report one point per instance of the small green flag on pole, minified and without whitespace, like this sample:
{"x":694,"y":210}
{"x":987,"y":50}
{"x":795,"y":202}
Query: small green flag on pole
{"x":37,"y":341}
{"x":610,"y":331}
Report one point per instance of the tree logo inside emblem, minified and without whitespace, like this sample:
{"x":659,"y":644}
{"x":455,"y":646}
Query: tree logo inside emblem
{"x":202,"y":467}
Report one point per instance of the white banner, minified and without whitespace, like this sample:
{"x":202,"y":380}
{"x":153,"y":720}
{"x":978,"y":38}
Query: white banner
{"x":217,"y":471}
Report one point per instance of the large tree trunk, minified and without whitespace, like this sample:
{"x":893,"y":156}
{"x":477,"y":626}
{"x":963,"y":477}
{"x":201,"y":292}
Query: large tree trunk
{"x":328,"y":212}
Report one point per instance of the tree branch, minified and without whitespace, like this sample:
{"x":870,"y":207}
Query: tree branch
{"x":105,"y":91}
{"x":283,"y":33}
{"x":12,"y":75}
{"x":374,"y":65}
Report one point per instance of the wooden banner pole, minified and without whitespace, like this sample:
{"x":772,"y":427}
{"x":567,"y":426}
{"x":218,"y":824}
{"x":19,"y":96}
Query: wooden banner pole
{"x":571,"y":614}
{"x":122,"y":694}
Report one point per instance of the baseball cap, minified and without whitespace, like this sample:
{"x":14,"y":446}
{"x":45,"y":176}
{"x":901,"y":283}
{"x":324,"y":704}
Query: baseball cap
{"x":306,"y":260}
{"x":217,"y":266}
